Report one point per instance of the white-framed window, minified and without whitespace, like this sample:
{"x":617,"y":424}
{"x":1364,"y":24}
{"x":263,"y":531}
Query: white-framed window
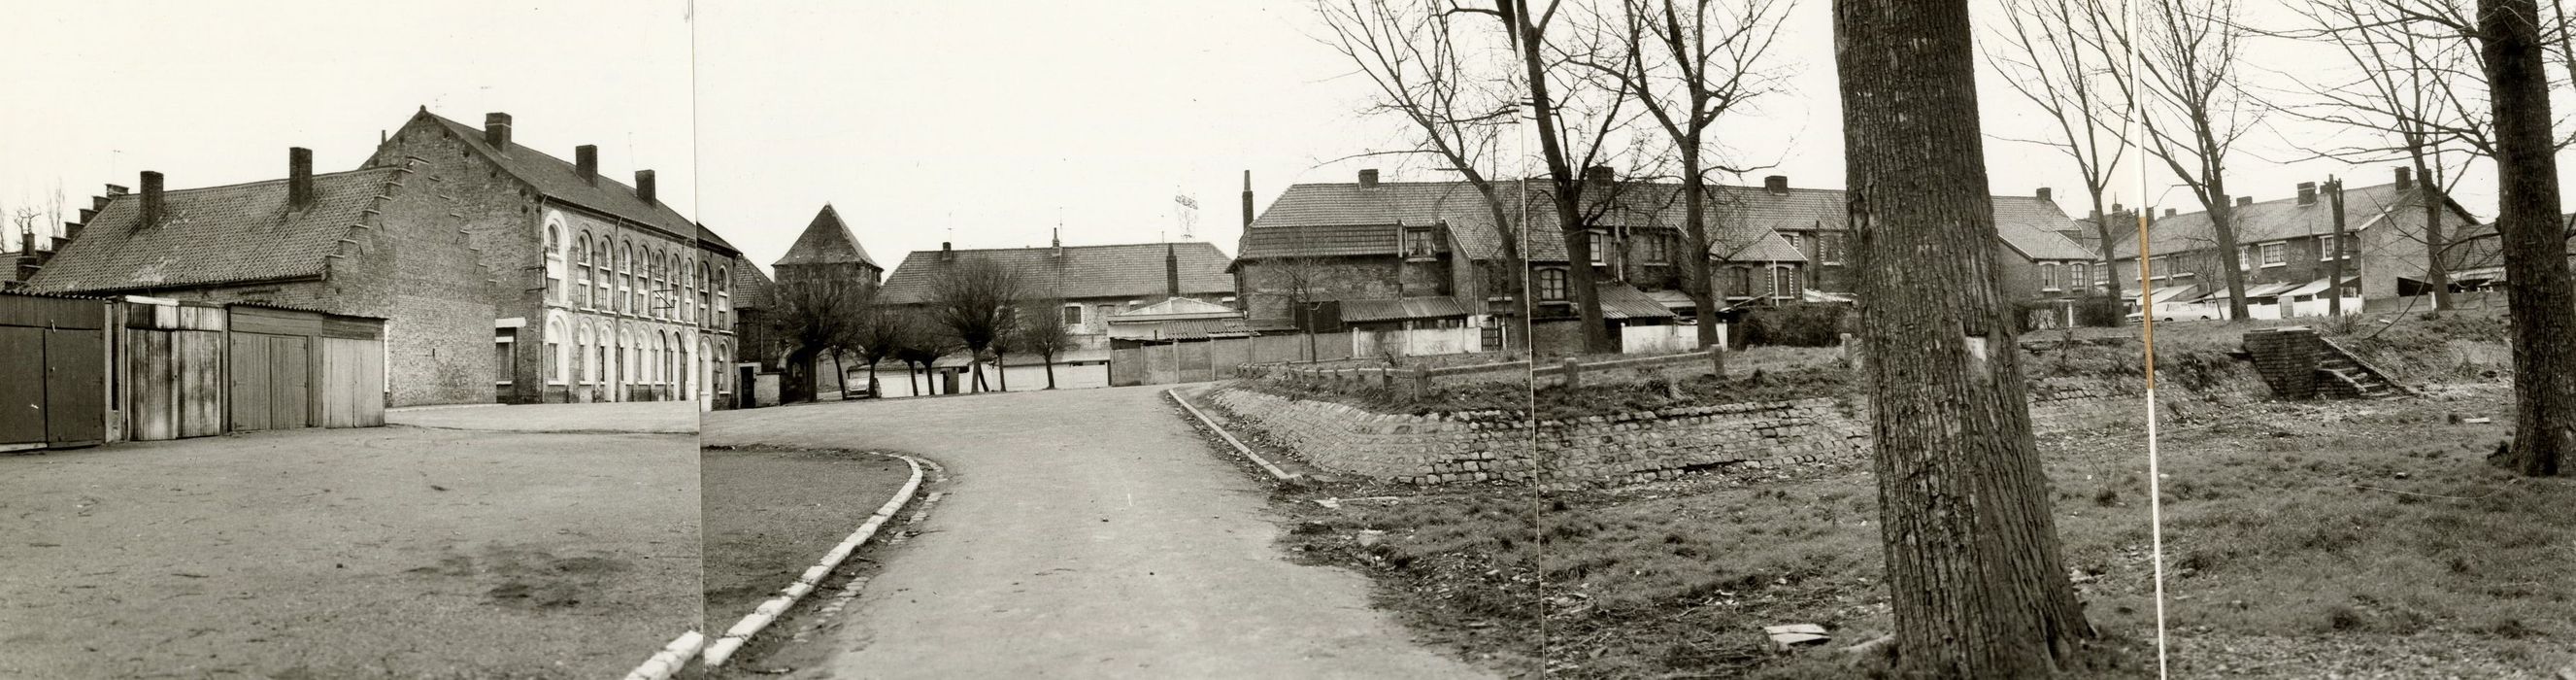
{"x":558,"y":363}
{"x":1600,"y":249}
{"x":2275,"y":254}
{"x":1549,"y":284}
{"x":1741,"y":281}
{"x":2080,"y":275}
{"x":1073,"y":315}
{"x":1784,"y":281}
{"x":2326,"y":247}
{"x":1419,"y":243}
{"x":2048,"y":276}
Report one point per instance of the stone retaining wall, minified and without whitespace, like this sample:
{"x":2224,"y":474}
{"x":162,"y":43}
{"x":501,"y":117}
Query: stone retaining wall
{"x":1614,"y":448}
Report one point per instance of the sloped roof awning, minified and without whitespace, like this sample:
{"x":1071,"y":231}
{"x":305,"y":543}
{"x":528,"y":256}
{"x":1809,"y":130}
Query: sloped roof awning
{"x":1813,"y":295}
{"x":2270,"y":289}
{"x":1672,"y":299}
{"x":2161,"y":294}
{"x":1362,"y":311}
{"x":1181,"y":329}
{"x":2314,"y":287}
{"x":1623,"y":301}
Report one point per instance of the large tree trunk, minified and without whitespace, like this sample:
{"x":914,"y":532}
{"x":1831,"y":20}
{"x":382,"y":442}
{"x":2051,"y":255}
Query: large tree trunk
{"x":1564,"y":178}
{"x":2539,"y":296}
{"x":1695,"y":233}
{"x":1974,"y":572}
{"x":840,"y":374}
{"x":1050,"y":368}
{"x":2437,"y":272}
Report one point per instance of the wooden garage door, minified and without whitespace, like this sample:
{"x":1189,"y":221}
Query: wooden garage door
{"x":22,"y":389}
{"x":271,"y":382}
{"x":75,"y":393}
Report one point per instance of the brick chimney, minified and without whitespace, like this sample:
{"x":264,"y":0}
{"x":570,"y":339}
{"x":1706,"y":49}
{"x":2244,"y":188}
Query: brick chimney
{"x":2044,"y":195}
{"x":2169,"y":212}
{"x":2242,"y":201}
{"x":299,"y":178}
{"x":496,"y":131}
{"x":1171,"y":270}
{"x":585,"y":160}
{"x":2405,"y":178}
{"x":644,"y":190}
{"x":946,"y":253}
{"x":151,"y":199}
{"x":1778,"y":184}
{"x":2307,"y":193}
{"x":1598,"y":175}
{"x":1247,"y":199}
{"x":1368,"y":178}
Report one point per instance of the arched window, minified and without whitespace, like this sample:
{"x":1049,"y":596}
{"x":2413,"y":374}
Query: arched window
{"x":554,"y":238}
{"x":556,"y":366}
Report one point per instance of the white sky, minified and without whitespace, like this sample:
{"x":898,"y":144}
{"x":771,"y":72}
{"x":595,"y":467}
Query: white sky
{"x":986,"y":124}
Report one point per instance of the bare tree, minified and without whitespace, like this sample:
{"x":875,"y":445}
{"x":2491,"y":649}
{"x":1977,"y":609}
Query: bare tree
{"x":881,"y":333}
{"x":1416,"y":55}
{"x":2541,"y":300}
{"x":2186,"y":97}
{"x":2041,"y":57}
{"x":1975,"y":574}
{"x":1042,"y":331}
{"x":811,"y":318}
{"x":973,"y":300}
{"x":1577,"y":117}
{"x":1688,"y":65}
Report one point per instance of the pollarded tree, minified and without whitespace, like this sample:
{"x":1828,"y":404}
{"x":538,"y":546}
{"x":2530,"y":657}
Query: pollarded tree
{"x":1975,"y":574}
{"x":812,"y":318}
{"x":973,"y":300}
{"x":1042,"y":331}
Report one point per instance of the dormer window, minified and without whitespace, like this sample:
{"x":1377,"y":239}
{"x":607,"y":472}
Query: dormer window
{"x":1420,"y":243}
{"x":1600,"y":249}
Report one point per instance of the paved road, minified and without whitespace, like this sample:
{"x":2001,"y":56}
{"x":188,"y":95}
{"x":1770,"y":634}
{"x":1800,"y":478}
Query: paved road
{"x":393,"y":552}
{"x":1087,"y":533}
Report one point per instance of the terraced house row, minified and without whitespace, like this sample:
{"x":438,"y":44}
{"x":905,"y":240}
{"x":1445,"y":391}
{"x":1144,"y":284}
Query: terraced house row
{"x":503,"y":273}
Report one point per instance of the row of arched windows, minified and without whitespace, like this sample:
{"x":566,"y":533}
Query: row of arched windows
{"x":602,"y":273}
{"x":589,"y":353}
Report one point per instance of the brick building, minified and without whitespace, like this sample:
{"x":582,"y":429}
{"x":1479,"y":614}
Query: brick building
{"x":2284,"y":246}
{"x":383,"y":241}
{"x":606,"y":293}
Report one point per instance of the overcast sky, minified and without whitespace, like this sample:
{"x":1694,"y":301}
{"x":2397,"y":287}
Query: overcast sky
{"x":985,"y":124}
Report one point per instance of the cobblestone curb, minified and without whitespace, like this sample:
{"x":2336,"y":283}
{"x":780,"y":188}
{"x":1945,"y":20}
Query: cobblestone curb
{"x":1266,"y":465}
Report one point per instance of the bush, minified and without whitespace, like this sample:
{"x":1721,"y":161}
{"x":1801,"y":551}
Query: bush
{"x":2101,"y":311}
{"x":1799,"y":325}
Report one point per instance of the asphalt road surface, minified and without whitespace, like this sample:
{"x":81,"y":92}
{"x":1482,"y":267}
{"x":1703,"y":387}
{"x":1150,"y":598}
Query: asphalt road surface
{"x":1086,"y":533}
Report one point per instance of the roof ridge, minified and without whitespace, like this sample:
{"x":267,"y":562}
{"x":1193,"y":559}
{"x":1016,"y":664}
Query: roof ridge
{"x":277,"y":180}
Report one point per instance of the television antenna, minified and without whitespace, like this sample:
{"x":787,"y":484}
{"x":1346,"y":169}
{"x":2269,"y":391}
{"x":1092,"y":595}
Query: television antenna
{"x":1186,"y":209}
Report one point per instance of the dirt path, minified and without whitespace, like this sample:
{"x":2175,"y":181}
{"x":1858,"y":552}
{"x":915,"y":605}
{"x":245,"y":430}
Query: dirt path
{"x":1086,"y":533}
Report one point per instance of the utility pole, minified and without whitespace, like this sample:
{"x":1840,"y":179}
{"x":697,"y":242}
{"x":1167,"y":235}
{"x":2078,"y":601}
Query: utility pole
{"x":2334,"y":266}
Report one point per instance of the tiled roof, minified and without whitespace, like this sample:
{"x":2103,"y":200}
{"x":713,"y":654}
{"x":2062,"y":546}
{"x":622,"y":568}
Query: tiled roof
{"x":750,"y":287}
{"x":1622,"y":301}
{"x":1180,"y":329}
{"x":1355,"y":311}
{"x":826,"y":241}
{"x":1322,"y":240}
{"x":1344,"y":219}
{"x":2029,"y":225}
{"x":561,"y":180}
{"x":214,"y":235}
{"x":1389,"y":203}
{"x":1131,"y":270}
{"x":2284,"y":218}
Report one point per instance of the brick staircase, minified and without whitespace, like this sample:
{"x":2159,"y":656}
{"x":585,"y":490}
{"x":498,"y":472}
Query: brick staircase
{"x":2300,"y":364}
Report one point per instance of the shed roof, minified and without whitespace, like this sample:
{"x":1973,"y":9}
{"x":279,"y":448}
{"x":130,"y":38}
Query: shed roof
{"x":1134,"y":270}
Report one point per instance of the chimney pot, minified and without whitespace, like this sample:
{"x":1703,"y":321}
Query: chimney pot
{"x":644,"y":188}
{"x":1778,"y":184}
{"x":585,"y":160}
{"x":1368,"y":178}
{"x":1247,"y":199}
{"x":2307,"y":193}
{"x":151,"y":199}
{"x":496,"y":131}
{"x":299,"y":177}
